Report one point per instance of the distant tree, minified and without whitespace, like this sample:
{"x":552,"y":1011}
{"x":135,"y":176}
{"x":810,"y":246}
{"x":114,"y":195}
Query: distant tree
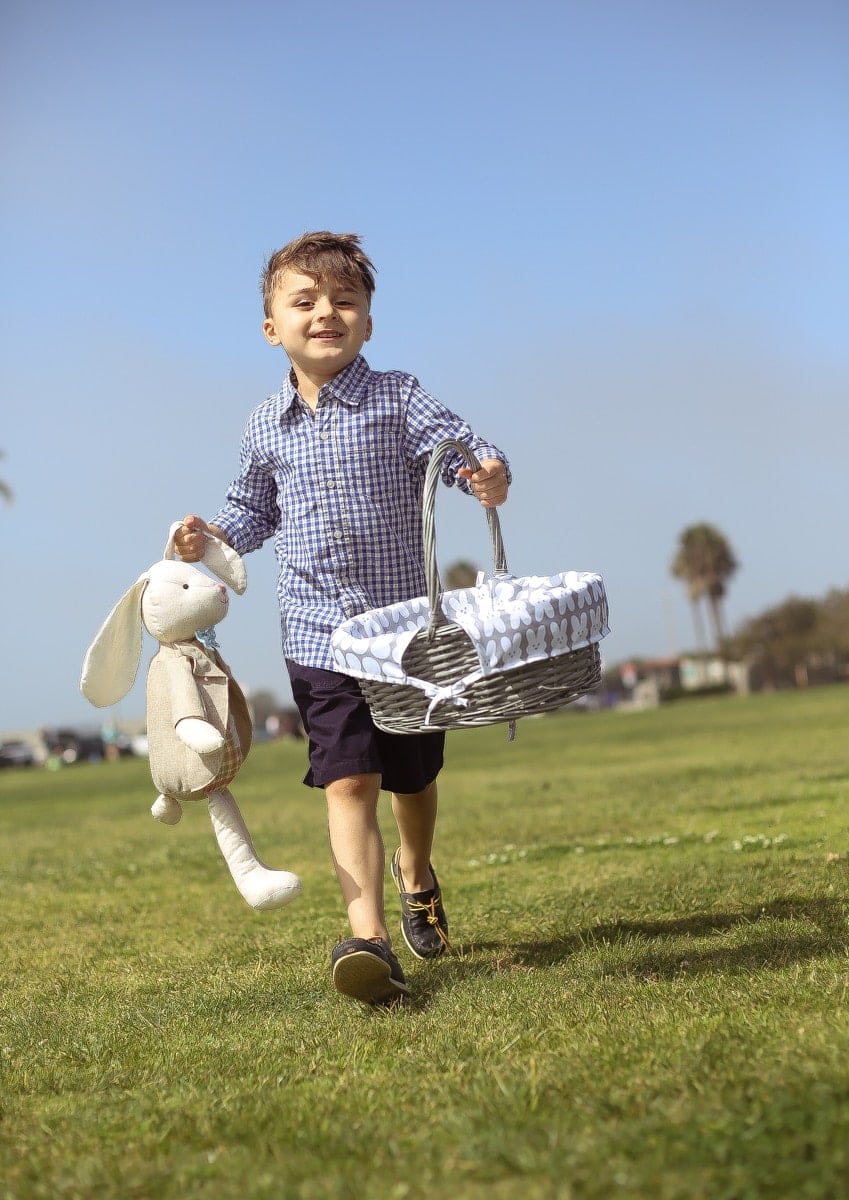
{"x":795,"y":638}
{"x":262,"y":703}
{"x":695,"y":594}
{"x":834,"y":621}
{"x":783,"y":640}
{"x":704,"y":562}
{"x":460,"y":574}
{"x":5,"y":490}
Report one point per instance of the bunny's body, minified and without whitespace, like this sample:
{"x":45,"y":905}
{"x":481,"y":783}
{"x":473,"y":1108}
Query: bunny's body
{"x":185,"y":680}
{"x":198,"y":724}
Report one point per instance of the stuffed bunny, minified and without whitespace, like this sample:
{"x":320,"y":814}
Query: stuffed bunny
{"x":198,"y":725}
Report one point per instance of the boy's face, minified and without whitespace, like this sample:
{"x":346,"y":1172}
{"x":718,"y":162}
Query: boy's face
{"x":321,"y":325}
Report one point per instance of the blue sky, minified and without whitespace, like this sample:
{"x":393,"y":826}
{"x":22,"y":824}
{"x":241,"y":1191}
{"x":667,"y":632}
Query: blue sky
{"x":613,"y":235}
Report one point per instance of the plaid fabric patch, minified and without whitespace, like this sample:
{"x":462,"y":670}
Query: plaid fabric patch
{"x":231,"y":760}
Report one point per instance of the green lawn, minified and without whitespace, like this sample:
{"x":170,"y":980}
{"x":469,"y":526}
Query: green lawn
{"x":649,"y":995}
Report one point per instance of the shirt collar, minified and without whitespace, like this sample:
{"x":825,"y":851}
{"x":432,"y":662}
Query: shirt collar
{"x":348,"y":386}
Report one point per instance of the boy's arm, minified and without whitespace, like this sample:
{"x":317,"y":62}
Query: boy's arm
{"x":427,"y":422}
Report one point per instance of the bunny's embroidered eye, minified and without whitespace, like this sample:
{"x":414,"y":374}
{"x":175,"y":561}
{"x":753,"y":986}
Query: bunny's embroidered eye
{"x":185,"y":587}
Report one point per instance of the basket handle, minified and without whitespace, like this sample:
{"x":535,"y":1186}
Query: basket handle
{"x":434,"y":583}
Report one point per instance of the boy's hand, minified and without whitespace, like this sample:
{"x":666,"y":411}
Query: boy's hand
{"x":489,"y":484}
{"x":190,"y":539}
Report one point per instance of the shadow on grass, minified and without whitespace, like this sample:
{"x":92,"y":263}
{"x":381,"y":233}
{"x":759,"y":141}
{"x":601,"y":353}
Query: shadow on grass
{"x":815,"y":928}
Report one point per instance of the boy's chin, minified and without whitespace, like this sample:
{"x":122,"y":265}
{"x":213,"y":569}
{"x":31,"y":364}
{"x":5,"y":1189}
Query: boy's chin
{"x":339,"y":356}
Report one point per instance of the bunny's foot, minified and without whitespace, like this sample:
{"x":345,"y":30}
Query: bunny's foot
{"x":258,"y":884}
{"x":167,"y":810}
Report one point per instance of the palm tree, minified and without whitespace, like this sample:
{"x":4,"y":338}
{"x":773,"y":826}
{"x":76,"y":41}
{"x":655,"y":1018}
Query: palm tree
{"x":705,"y":562}
{"x":5,"y":490}
{"x":695,"y":592}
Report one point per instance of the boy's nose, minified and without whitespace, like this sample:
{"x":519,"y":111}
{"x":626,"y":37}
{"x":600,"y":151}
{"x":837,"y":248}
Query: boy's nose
{"x":323,"y":307}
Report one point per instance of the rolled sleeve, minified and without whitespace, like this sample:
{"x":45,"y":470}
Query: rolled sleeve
{"x":251,"y":513}
{"x":429,"y":422}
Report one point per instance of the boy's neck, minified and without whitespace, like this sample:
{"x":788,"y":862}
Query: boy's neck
{"x":310,"y":384}
{"x":308,"y":391}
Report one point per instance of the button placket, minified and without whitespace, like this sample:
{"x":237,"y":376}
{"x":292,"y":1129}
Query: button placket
{"x":335,"y":509}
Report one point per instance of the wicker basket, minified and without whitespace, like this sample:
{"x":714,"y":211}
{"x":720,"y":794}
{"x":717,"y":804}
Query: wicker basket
{"x":442,"y":656}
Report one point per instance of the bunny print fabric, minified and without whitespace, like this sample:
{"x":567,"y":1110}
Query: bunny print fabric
{"x":510,"y":620}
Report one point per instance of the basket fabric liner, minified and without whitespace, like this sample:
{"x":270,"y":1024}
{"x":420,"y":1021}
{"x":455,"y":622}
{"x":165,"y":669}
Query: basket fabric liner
{"x":510,"y":620}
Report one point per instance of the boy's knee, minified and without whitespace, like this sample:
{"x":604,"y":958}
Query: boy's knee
{"x":353,"y":789}
{"x":427,"y":794}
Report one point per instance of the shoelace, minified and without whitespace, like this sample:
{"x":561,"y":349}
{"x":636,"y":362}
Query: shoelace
{"x":429,"y":907}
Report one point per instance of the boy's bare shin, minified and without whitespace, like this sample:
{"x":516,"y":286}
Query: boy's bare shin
{"x":415,"y":816}
{"x":357,"y":848}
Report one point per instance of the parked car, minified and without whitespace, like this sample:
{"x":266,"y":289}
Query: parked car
{"x":70,"y":746}
{"x":16,"y":754}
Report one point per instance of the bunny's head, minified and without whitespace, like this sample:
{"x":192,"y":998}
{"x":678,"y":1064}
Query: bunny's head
{"x":177,"y":600}
{"x":171,"y":600}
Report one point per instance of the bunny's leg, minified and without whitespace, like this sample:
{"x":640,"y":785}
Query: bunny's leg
{"x":258,"y":884}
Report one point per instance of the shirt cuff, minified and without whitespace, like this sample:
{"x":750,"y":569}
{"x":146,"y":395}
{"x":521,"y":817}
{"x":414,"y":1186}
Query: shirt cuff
{"x":242,"y":533}
{"x":481,"y":451}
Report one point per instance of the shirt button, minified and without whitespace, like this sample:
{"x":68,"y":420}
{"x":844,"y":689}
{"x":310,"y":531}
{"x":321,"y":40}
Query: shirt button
{"x":338,"y":534}
{"x":331,"y":483}
{"x":325,"y":437}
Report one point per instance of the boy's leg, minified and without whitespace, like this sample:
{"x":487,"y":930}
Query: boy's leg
{"x":350,"y":759}
{"x":357,"y":848}
{"x":415,"y":816}
{"x":363,"y":965}
{"x":423,"y":921}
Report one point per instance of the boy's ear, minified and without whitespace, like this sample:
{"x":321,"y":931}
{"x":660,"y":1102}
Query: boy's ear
{"x":369,"y":327}
{"x":270,"y":333}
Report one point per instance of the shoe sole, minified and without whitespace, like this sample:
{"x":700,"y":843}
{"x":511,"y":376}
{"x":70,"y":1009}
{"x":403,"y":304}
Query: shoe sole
{"x":367,"y":978}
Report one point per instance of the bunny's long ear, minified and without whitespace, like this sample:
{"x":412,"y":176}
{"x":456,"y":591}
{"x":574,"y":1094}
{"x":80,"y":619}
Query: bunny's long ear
{"x":112,"y":660}
{"x":220,"y":558}
{"x":224,"y":562}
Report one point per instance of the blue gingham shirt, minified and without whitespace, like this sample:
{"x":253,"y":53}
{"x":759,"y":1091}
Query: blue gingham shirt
{"x":340,"y":491}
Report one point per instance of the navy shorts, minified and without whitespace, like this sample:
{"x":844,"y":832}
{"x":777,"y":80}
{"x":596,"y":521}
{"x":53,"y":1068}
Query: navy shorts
{"x":343,"y":739}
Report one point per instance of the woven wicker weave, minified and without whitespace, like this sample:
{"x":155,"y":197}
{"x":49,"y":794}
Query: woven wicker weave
{"x":443,"y":652}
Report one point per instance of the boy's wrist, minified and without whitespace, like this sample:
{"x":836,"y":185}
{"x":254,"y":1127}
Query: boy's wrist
{"x":218,"y":532}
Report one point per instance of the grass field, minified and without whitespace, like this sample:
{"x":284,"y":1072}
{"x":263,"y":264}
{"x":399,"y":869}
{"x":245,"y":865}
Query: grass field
{"x":649,"y":995}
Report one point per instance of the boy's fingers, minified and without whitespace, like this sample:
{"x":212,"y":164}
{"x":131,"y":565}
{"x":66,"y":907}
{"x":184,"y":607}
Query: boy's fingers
{"x":483,"y":474}
{"x":191,"y":533}
{"x":189,"y":539}
{"x":489,"y":484}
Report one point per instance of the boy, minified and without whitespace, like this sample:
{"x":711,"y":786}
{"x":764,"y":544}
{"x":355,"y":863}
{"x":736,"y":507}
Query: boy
{"x":332,"y":467}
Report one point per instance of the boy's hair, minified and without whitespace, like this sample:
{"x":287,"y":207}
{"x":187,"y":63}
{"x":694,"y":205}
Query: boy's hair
{"x":324,"y":256}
